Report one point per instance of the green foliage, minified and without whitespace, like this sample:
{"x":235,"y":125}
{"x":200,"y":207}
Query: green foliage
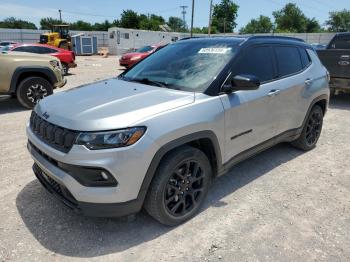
{"x":224,"y":16}
{"x":129,"y":19}
{"x":176,"y":24}
{"x":14,"y":23}
{"x":261,"y":25}
{"x":46,"y":23}
{"x":291,"y":19}
{"x":339,"y":21}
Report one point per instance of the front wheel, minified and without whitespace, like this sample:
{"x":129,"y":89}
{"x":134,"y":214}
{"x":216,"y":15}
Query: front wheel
{"x":311,"y":131}
{"x":179,"y":187}
{"x":32,"y":89}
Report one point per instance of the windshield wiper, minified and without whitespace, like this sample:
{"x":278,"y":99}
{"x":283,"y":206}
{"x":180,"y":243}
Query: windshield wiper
{"x":148,"y":81}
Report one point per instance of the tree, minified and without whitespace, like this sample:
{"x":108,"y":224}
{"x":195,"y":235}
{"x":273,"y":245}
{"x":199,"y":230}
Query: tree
{"x":14,"y":23}
{"x":312,"y":26}
{"x":102,"y":26}
{"x":48,"y":22}
{"x":129,"y":19}
{"x":81,"y":25}
{"x":291,"y":19}
{"x":176,"y":24}
{"x":262,"y":24}
{"x":339,"y":21}
{"x":224,"y":16}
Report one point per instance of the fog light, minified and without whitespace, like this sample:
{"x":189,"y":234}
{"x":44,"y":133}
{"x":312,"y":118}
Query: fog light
{"x":104,"y":175}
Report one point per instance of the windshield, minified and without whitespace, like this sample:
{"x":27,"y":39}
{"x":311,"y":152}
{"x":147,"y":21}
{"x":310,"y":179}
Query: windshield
{"x":189,"y":65}
{"x":144,"y":49}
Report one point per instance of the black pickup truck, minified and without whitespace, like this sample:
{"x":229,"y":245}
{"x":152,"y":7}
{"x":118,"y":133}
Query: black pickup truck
{"x":336,"y":58}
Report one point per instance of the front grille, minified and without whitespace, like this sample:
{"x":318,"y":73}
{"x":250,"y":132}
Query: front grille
{"x":53,"y":187}
{"x":57,"y":137}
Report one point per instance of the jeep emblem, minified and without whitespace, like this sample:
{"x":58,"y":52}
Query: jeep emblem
{"x":46,"y":115}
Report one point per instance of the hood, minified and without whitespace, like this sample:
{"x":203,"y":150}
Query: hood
{"x":24,"y":55}
{"x":109,"y":104}
{"x":130,"y":55}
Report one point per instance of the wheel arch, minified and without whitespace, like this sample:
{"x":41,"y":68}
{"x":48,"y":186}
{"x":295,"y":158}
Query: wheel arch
{"x":24,"y":72}
{"x":203,"y":140}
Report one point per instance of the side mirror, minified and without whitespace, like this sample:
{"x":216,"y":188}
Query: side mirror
{"x":242,"y":82}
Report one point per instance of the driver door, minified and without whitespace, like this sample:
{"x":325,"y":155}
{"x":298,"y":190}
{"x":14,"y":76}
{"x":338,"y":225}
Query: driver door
{"x":251,"y":117}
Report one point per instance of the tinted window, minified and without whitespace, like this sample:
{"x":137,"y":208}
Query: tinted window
{"x":258,"y":62}
{"x":45,"y":50}
{"x":305,"y":59}
{"x":21,"y":49}
{"x":288,"y":60}
{"x":341,"y":43}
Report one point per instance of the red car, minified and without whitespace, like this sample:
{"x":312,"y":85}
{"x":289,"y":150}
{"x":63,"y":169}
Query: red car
{"x":129,"y":59}
{"x":66,"y":57}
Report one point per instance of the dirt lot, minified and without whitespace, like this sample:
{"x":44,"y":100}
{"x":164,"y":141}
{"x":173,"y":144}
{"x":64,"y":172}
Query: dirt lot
{"x":282,"y":205}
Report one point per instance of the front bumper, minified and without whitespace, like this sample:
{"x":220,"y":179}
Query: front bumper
{"x":88,"y":209}
{"x":119,"y":200}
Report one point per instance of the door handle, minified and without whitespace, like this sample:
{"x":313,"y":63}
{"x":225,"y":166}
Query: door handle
{"x":274,"y":92}
{"x":308,"y":81}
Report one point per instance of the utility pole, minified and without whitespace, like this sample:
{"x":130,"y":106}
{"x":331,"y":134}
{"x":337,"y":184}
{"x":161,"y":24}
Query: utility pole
{"x":60,"y":11}
{"x":210,"y":17}
{"x":183,"y":12}
{"x":192,"y":18}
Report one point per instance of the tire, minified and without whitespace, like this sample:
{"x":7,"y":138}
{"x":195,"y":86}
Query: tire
{"x":64,"y":45}
{"x":32,"y":89}
{"x":332,"y":92}
{"x":174,"y":197}
{"x":311,"y":131}
{"x":65,"y":69}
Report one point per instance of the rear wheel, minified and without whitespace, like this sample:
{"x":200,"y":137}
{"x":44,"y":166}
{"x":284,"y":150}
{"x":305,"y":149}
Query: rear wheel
{"x":311,"y":131}
{"x":32,"y":89}
{"x":64,"y":45}
{"x":179,"y":187}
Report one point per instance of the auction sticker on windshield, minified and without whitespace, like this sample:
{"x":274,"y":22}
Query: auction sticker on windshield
{"x":214,"y":50}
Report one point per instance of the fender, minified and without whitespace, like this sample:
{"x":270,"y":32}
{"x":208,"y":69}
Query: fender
{"x":31,"y":69}
{"x":174,"y":144}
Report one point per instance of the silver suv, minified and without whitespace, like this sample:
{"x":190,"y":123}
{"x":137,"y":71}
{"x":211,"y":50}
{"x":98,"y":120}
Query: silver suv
{"x":157,"y":135}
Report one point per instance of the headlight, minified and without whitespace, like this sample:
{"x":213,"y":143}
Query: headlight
{"x":135,"y":58}
{"x":55,"y":63}
{"x":111,"y":139}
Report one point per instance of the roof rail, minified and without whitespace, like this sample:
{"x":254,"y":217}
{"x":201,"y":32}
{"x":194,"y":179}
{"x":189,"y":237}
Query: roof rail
{"x":276,"y":37}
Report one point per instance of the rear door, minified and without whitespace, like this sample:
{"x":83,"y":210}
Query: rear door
{"x":293,"y":81}
{"x":250,"y":116}
{"x":337,"y":57}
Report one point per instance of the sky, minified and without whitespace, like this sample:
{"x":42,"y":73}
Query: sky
{"x":99,"y":10}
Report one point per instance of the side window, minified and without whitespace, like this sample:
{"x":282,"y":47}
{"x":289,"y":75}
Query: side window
{"x":20,"y":49}
{"x":288,"y":60}
{"x":45,"y":50}
{"x":341,"y":43}
{"x":258,"y":61}
{"x":305,"y":58}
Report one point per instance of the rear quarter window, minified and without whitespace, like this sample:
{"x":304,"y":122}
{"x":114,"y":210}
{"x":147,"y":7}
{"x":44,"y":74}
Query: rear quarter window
{"x":305,"y":58}
{"x":288,"y":60}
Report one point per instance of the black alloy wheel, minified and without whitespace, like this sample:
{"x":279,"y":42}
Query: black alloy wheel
{"x":184,"y":189}
{"x":313,"y":128}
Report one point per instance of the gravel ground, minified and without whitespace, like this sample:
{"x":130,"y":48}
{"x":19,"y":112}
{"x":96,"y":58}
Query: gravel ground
{"x":282,"y":205}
